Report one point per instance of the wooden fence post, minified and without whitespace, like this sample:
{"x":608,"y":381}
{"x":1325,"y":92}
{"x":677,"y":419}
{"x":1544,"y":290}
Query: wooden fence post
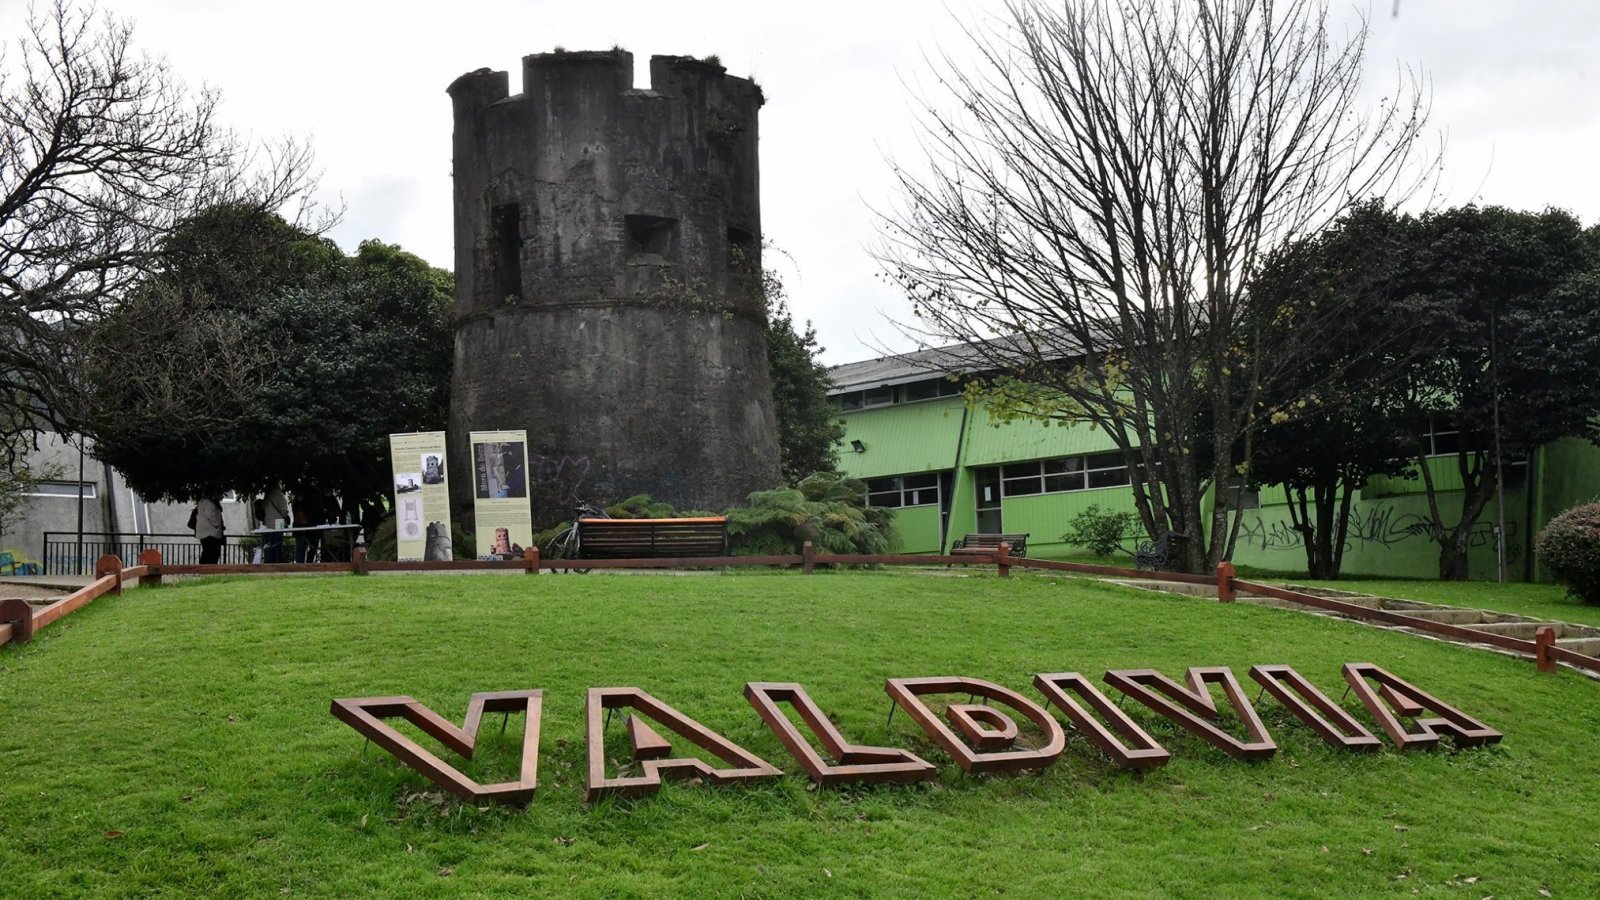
{"x":1002,"y":560}
{"x":531,"y":555}
{"x":808,"y":558}
{"x":109,"y":564}
{"x":1225,"y":582}
{"x":151,"y":558}
{"x":1544,"y":638}
{"x":19,"y":614}
{"x":358,"y":561}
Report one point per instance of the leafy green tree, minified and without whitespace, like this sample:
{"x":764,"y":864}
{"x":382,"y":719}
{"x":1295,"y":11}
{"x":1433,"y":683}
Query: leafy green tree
{"x":1337,"y":420}
{"x":103,"y":154}
{"x":1514,"y":301}
{"x":809,"y":431}
{"x":259,"y":352}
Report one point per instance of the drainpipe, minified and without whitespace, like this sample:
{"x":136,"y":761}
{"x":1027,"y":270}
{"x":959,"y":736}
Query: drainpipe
{"x":1499,"y":460}
{"x":80,"y":506}
{"x":955,"y":478}
{"x":108,"y":480}
{"x":1533,"y":493}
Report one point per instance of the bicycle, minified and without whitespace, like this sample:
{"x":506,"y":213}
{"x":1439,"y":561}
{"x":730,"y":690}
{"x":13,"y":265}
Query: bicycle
{"x":566,"y":545}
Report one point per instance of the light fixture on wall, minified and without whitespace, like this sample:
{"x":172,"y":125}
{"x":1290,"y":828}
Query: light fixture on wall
{"x":858,"y":447}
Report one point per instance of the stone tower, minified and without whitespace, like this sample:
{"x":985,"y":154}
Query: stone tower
{"x":608,"y":262}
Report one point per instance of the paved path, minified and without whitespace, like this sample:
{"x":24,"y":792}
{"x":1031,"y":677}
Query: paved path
{"x":1583,"y":639}
{"x":38,"y":587}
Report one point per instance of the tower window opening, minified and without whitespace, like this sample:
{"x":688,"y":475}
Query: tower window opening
{"x":650,"y":235}
{"x":506,"y":220}
{"x":741,"y":249}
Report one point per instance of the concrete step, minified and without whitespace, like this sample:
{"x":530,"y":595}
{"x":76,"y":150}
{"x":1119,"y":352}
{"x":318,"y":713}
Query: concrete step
{"x":1169,"y":587}
{"x":1452,"y":616}
{"x":1520,"y":630}
{"x":1358,"y":600}
{"x":1588,"y":646}
{"x":1404,"y":605}
{"x":1275,"y":603}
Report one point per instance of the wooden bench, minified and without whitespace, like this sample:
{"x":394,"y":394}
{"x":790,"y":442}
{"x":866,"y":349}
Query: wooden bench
{"x":987,"y":544}
{"x":652,"y":538}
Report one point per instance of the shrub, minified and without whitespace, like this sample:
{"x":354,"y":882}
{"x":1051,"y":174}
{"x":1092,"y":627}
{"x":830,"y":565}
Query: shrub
{"x":827,"y":509}
{"x":1570,"y":546}
{"x":641,"y":506}
{"x":1102,"y":531}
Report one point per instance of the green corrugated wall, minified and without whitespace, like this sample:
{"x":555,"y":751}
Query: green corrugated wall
{"x":1388,"y":534}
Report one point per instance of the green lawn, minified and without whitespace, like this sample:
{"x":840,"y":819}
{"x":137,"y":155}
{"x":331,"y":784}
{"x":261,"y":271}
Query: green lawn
{"x":178,"y":741}
{"x":1541,"y":601}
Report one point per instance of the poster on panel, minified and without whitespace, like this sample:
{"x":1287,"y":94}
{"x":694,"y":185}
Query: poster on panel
{"x":500,"y":493}
{"x":421,"y":496}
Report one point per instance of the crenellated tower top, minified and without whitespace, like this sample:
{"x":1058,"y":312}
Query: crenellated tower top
{"x":586,"y":189}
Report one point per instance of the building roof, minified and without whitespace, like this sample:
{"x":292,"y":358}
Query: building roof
{"x":903,"y":368}
{"x":956,"y":359}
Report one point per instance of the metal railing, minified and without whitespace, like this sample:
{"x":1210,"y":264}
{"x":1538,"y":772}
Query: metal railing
{"x":64,"y":555}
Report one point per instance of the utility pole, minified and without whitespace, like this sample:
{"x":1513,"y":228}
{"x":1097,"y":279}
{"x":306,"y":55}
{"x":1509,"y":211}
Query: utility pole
{"x":1499,"y":462}
{"x":80,"y":504}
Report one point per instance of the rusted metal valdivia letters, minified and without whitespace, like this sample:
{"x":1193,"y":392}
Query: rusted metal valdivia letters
{"x":979,"y":737}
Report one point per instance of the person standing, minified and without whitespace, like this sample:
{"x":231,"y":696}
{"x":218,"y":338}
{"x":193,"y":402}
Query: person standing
{"x":308,"y":510}
{"x":274,"y":514}
{"x":209,"y":529}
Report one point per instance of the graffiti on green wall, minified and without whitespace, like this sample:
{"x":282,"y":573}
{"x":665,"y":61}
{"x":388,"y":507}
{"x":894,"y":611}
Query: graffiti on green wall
{"x":1378,"y":525}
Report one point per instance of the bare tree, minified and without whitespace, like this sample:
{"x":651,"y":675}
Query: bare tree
{"x":1101,"y":185}
{"x":102,"y":151}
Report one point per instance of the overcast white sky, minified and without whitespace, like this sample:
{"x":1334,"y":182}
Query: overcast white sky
{"x":1512,"y":89}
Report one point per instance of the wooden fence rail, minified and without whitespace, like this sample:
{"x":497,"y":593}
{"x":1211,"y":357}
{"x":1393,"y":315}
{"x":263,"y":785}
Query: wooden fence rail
{"x":19,"y":620}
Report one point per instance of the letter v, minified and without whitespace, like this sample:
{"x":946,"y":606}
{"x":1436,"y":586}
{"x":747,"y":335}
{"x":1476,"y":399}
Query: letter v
{"x":1195,"y":709}
{"x":1145,"y":753}
{"x":367,"y":714}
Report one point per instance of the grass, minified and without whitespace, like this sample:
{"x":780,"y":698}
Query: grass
{"x":178,"y":741}
{"x":1541,"y":601}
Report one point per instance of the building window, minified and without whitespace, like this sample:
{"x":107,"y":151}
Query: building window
{"x":650,"y":235}
{"x":741,"y":250}
{"x":1065,"y":473}
{"x":1022,"y":479}
{"x":1248,"y":495}
{"x":1443,"y":438}
{"x":879,"y":396}
{"x":932,"y":389}
{"x":916,"y":391}
{"x":904,"y":490}
{"x":506,"y":220}
{"x":63,"y":489}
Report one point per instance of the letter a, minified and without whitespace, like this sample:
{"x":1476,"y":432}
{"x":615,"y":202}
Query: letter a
{"x":1406,"y":699}
{"x":654,"y":754}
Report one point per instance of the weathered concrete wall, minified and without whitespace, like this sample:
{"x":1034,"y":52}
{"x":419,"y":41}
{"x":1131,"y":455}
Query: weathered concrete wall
{"x":607,"y":280}
{"x":110,"y":507}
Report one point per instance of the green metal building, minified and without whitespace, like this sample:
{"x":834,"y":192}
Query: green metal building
{"x":948,"y":469}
